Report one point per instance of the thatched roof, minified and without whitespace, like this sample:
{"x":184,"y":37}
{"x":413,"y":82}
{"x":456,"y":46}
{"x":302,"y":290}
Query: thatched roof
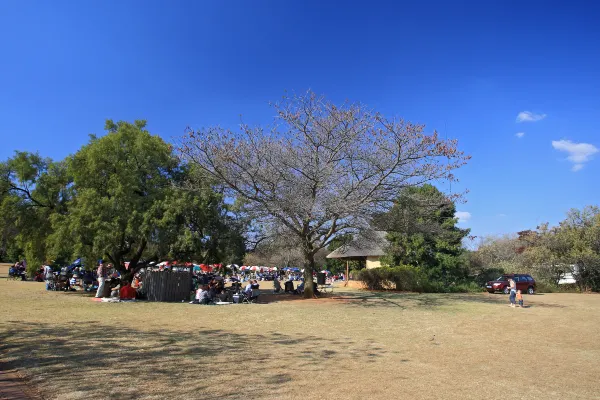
{"x":372,"y":244}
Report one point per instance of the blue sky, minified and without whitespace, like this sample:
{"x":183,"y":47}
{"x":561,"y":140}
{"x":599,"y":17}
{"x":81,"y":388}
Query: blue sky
{"x":467,"y":69}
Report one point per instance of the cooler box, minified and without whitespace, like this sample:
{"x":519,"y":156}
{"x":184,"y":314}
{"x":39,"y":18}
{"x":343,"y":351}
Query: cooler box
{"x":237,"y":299}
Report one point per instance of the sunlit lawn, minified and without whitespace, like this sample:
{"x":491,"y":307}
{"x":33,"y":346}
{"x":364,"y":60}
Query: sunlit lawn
{"x":356,"y":345}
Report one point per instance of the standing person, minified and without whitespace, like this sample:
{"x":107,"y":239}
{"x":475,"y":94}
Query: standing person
{"x":520,"y":298}
{"x":102,"y":272}
{"x":276,"y":285}
{"x":48,"y":275}
{"x":513,"y":292}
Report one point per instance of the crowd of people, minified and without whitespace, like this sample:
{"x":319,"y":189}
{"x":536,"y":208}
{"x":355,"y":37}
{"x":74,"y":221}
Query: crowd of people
{"x":212,"y":286}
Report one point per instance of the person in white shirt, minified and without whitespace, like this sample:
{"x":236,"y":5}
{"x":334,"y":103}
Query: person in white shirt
{"x":248,"y":288}
{"x":48,"y":276}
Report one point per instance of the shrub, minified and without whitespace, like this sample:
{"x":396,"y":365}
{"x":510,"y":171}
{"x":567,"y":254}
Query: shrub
{"x":468,"y":287}
{"x":407,"y":278}
{"x":545,"y":287}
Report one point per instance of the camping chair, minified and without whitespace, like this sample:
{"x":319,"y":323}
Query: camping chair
{"x":255,"y":294}
{"x":12,"y":274}
{"x":249,"y":298}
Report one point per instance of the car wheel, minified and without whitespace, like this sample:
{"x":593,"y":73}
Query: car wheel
{"x":530,"y":290}
{"x":506,"y":290}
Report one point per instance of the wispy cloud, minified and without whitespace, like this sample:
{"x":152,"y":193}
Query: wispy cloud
{"x":576,"y":167}
{"x":528,"y":116}
{"x":520,"y":134}
{"x":501,"y":215}
{"x":578,"y":153}
{"x":463,"y":216}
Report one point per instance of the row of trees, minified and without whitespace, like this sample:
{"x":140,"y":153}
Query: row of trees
{"x":548,"y":253}
{"x":124,"y":196}
{"x":319,"y":174}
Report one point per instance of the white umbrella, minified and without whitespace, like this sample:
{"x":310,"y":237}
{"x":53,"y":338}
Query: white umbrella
{"x":274,"y":269}
{"x":232,"y":266}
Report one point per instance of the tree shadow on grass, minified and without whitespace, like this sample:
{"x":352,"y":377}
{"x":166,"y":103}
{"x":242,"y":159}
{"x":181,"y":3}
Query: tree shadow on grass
{"x":83,"y":360}
{"x":382,"y":299}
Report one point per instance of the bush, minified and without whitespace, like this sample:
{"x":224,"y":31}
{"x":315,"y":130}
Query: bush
{"x":404,"y":278}
{"x":545,"y":287}
{"x":407,"y":278}
{"x":468,"y":287}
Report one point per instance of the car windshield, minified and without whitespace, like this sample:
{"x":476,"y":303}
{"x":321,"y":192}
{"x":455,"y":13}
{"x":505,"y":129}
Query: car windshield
{"x":502,"y":278}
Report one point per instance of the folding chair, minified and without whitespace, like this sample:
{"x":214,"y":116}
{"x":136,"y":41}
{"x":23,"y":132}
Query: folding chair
{"x":255,"y":294}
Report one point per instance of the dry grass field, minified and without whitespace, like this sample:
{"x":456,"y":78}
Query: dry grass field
{"x":353,"y":345}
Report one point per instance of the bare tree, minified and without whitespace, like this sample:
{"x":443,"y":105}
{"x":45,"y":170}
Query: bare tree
{"x":321,"y":170}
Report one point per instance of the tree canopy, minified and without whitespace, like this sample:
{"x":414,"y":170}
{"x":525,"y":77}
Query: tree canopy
{"x":32,"y":189}
{"x":423,"y":232}
{"x":573,"y":246}
{"x":321,"y":169}
{"x":122,"y":197}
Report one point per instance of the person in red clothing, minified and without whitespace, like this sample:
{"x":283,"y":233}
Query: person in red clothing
{"x":127,"y":292}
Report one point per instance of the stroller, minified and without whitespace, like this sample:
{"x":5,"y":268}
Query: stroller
{"x":13,"y":274}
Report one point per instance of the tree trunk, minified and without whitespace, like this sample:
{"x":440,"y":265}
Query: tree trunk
{"x":309,"y":267}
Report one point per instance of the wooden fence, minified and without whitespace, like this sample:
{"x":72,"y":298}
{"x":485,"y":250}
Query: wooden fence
{"x":168,"y":285}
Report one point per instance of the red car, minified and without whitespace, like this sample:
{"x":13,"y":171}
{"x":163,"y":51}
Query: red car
{"x":525,"y":283}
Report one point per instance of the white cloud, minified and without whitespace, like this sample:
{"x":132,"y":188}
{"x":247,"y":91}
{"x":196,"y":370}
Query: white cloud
{"x":463,"y":216}
{"x":578,"y":153}
{"x":520,"y":134}
{"x":576,"y":167}
{"x":501,"y":215}
{"x":528,"y":116}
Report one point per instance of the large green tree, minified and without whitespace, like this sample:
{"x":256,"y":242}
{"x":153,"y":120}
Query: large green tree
{"x":32,"y":191}
{"x":197,"y":225}
{"x":130,"y":202}
{"x":423,"y":232}
{"x":119,"y":183}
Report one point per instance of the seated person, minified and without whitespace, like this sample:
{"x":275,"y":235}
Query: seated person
{"x":212,"y":289}
{"x":236,"y":287}
{"x":300,"y":288}
{"x":289,"y":287}
{"x":255,"y":292}
{"x":276,"y":285}
{"x":127,"y":292}
{"x":220,"y":284}
{"x":202,"y":295}
{"x":248,"y":289}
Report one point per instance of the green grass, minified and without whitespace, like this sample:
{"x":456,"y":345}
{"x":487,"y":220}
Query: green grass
{"x":355,"y":345}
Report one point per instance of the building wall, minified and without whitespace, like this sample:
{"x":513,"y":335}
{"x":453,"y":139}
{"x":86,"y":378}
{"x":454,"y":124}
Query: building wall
{"x":373,"y":262}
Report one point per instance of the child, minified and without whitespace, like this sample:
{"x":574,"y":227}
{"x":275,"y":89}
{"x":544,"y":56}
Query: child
{"x":201,"y":295}
{"x":520,"y":298}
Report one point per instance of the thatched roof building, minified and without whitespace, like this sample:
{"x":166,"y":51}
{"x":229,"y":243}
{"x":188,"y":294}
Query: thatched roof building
{"x":368,"y":247}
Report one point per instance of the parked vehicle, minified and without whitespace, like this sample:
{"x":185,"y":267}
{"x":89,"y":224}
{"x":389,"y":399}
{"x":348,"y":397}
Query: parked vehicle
{"x":525,"y":283}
